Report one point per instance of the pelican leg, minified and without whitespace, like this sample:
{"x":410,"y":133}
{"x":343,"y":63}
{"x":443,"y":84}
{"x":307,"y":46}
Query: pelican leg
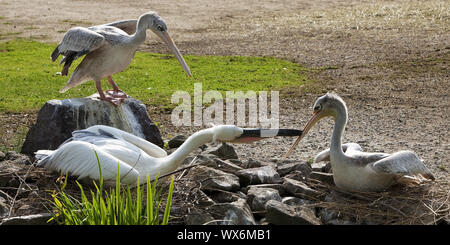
{"x":116,"y":92}
{"x":107,"y":96}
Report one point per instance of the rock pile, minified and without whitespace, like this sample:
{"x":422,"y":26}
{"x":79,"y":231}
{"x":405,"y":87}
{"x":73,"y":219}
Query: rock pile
{"x":229,"y":190}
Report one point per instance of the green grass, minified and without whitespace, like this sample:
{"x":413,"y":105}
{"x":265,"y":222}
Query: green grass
{"x":115,"y":206}
{"x":28,"y":77}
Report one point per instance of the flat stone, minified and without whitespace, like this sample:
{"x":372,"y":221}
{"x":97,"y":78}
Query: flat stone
{"x":225,"y":166}
{"x":57,"y":119}
{"x":252,"y":163}
{"x":279,"y":187}
{"x":258,"y":197}
{"x":295,"y":201}
{"x":295,"y":166}
{"x":177,"y":141}
{"x":322,"y":177}
{"x":199,"y":219}
{"x":279,"y":213}
{"x":261,"y":175}
{"x":296,"y":175}
{"x":223,"y":151}
{"x":34,"y":219}
{"x":2,"y":156}
{"x":235,"y":213}
{"x":301,"y":190}
{"x":212,"y":179}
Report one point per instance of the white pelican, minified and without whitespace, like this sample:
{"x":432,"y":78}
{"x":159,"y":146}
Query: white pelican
{"x":356,"y":170}
{"x":109,"y":49}
{"x":135,"y":156}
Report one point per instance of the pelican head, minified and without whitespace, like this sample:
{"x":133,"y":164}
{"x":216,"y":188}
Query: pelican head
{"x":157,"y":25}
{"x":328,"y":105}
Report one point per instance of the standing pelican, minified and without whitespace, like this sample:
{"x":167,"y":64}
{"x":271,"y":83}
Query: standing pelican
{"x":135,"y":156}
{"x":356,"y":170}
{"x":109,"y":49}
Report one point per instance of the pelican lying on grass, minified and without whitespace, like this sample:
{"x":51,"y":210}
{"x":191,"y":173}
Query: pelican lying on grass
{"x":356,"y":170}
{"x":109,"y":49}
{"x":135,"y":156}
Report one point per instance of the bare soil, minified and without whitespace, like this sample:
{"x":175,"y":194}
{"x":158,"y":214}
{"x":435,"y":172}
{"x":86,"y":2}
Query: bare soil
{"x":389,"y":60}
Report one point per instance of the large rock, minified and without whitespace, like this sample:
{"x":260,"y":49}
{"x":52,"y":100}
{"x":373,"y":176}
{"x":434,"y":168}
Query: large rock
{"x":279,"y":213}
{"x":258,"y":197}
{"x":235,"y":213}
{"x":57,"y":119}
{"x":261,"y":175}
{"x":301,"y":190}
{"x":213,"y":179}
{"x":223,"y":151}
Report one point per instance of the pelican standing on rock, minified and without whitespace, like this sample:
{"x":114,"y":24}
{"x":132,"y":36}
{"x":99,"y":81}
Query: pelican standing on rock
{"x":356,"y":170}
{"x":109,"y":49}
{"x":136,"y":157}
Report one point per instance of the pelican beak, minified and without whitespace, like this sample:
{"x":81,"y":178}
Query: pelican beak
{"x":312,"y":121}
{"x":164,"y":35}
{"x":252,"y":135}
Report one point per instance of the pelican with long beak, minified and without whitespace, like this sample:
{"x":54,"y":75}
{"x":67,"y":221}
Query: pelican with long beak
{"x":135,"y":157}
{"x":354,"y":169}
{"x":109,"y":49}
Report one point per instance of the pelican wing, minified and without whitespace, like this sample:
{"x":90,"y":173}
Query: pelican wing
{"x":402,"y":163}
{"x":128,"y":26}
{"x":325,"y":154}
{"x":77,"y":42}
{"x":99,"y":132}
{"x":79,"y":158}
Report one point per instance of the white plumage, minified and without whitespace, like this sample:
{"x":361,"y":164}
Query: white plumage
{"x":136,"y":157}
{"x":354,"y":169}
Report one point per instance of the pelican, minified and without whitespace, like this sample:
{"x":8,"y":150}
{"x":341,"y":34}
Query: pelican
{"x":354,"y":169}
{"x":109,"y":49}
{"x":135,"y":157}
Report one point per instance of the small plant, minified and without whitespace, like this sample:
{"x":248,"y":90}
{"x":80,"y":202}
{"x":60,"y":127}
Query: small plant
{"x":113,"y":207}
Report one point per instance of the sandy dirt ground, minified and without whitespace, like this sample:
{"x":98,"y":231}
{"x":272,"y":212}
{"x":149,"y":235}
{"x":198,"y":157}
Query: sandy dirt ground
{"x":389,"y":60}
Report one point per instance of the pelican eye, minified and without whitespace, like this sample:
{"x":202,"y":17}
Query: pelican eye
{"x":160,"y":28}
{"x":318,"y":107}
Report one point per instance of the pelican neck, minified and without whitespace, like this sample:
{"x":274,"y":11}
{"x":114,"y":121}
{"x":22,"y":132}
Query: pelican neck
{"x":192,"y":143}
{"x":338,"y":131}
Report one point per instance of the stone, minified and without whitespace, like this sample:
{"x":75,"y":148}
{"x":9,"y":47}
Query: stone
{"x":301,"y":190}
{"x":202,"y":200}
{"x":177,"y":141}
{"x":223,"y":151}
{"x":322,"y":177}
{"x":12,"y":155}
{"x":279,"y":187}
{"x":235,"y":213}
{"x":258,"y":197}
{"x":261,"y":175}
{"x":319,"y":166}
{"x":297,"y":175}
{"x":252,"y":163}
{"x":295,"y":166}
{"x":199,"y":219}
{"x":221,"y":196}
{"x":33,"y":219}
{"x":213,"y":179}
{"x":57,"y":119}
{"x":225,"y":166}
{"x":295,"y":201}
{"x":2,"y":156}
{"x":279,"y":213}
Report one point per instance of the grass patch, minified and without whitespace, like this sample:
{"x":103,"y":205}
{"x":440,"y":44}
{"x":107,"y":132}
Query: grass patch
{"x":28,"y":76}
{"x":116,"y":206}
